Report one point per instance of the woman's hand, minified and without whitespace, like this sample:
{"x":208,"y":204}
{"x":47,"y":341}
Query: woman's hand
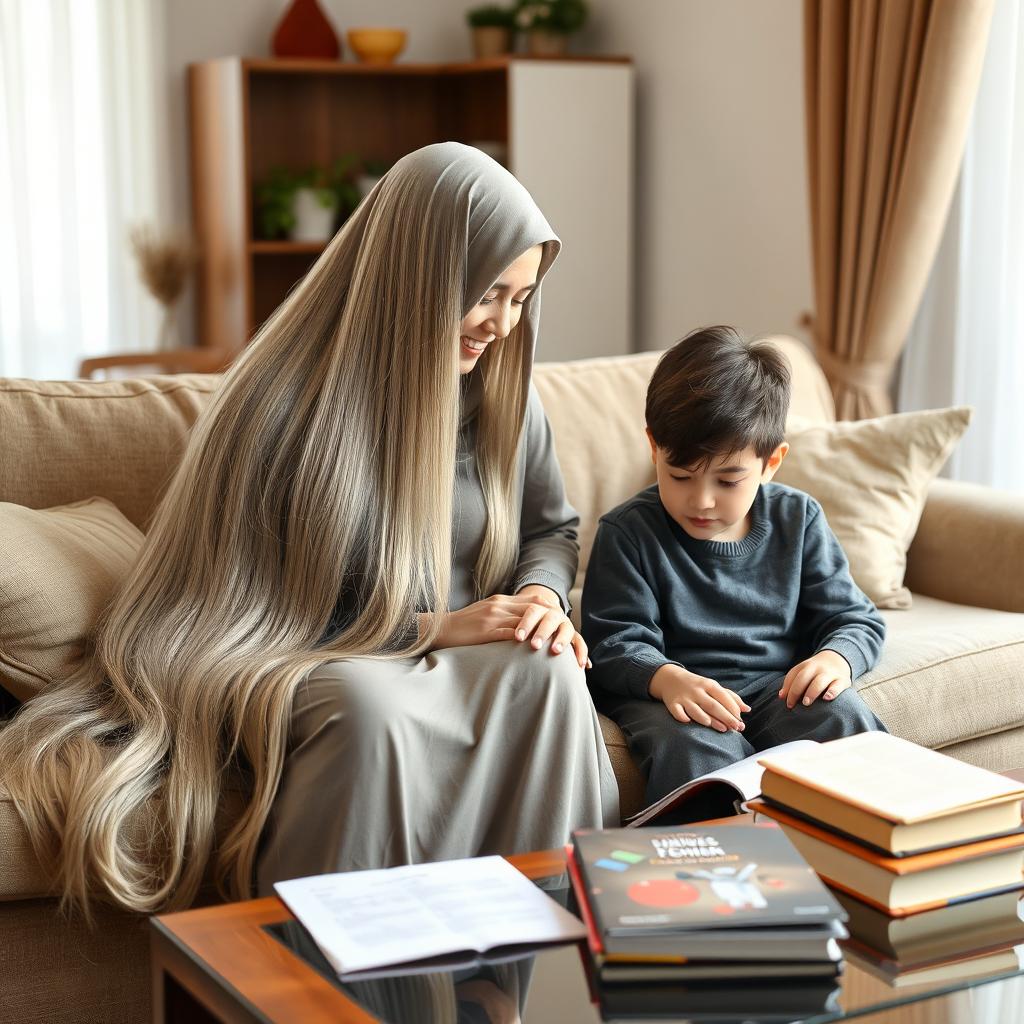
{"x":534,"y":613}
{"x":547,"y":620}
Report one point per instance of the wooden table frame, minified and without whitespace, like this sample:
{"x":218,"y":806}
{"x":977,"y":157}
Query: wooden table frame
{"x":219,"y":964}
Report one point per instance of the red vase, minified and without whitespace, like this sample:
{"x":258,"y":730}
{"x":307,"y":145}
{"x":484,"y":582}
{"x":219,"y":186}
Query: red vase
{"x":304,"y":31}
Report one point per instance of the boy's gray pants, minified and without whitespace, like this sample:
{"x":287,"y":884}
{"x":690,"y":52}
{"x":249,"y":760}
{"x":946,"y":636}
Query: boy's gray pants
{"x":670,"y":752}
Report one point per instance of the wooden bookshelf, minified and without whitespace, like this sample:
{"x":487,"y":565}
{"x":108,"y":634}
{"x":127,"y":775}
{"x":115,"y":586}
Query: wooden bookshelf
{"x":249,"y":116}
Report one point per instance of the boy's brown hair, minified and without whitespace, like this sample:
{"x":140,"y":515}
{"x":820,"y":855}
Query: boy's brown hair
{"x":715,"y":393}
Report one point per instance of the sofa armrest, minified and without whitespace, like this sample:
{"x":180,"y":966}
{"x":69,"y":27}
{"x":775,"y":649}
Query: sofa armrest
{"x":969,"y":547}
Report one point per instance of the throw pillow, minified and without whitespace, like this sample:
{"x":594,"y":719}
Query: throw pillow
{"x":58,"y":568}
{"x":872,"y":477}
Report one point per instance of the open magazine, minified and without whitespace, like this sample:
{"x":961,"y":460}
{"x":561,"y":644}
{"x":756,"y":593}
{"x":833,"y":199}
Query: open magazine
{"x":716,"y":795}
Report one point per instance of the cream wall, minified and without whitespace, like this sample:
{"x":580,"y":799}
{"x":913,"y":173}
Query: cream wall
{"x":721,"y":219}
{"x":722,"y":222}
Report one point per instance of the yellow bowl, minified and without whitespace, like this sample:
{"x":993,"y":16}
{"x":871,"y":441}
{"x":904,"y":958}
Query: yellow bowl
{"x":376,"y":45}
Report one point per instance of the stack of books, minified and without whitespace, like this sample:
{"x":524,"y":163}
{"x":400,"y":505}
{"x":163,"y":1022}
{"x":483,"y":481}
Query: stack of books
{"x":703,"y":905}
{"x":971,"y":939}
{"x":902,"y":828}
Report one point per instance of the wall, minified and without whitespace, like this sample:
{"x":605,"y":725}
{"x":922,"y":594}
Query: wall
{"x":722,"y":227}
{"x":722,"y":220}
{"x":202,"y":29}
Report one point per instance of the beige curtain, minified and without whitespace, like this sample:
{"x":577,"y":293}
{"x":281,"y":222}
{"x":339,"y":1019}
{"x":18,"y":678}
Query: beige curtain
{"x":890,"y":85}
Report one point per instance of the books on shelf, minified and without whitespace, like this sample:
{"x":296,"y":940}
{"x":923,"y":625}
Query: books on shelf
{"x":891,"y":793}
{"x":904,"y":885}
{"x":703,"y":903}
{"x":714,"y":795}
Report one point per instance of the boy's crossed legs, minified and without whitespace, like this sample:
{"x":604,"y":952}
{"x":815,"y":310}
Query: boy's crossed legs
{"x":670,"y":752}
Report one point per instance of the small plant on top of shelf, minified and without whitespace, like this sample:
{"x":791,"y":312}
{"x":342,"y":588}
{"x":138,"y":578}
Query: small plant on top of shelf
{"x":491,"y":16}
{"x":549,"y":23}
{"x":493,"y":28}
{"x":306,"y":205}
{"x":563,"y":16}
{"x":372,"y":171}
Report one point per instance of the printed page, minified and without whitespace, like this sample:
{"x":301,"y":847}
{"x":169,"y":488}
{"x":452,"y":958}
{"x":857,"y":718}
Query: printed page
{"x":744,"y":776}
{"x":892,"y":777}
{"x":367,"y":919}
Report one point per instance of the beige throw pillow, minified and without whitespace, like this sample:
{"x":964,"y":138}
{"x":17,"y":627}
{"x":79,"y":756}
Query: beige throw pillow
{"x":872,"y":477}
{"x":58,"y":568}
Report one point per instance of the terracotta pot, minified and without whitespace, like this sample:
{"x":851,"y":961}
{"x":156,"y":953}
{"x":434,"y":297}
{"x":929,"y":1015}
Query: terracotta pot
{"x":491,"y":41}
{"x":542,"y":43}
{"x":304,"y":31}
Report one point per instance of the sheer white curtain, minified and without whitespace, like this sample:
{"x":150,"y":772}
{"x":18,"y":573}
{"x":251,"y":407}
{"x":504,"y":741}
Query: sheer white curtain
{"x":83,"y":157}
{"x":967,"y":343}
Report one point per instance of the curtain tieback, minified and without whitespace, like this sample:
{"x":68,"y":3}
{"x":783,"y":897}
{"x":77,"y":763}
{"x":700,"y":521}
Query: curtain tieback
{"x":871,"y":374}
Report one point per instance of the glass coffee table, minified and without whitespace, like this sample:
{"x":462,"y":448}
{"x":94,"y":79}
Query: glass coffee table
{"x":252,"y":961}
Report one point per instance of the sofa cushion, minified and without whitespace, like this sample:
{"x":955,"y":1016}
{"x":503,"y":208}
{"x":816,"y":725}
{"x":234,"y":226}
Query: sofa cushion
{"x":116,"y":439}
{"x":22,"y":876}
{"x":871,"y":477}
{"x":596,"y":409}
{"x":949,"y":674}
{"x":58,"y":568}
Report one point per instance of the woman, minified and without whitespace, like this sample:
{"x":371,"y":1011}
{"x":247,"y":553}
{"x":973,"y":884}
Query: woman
{"x":355,"y":586}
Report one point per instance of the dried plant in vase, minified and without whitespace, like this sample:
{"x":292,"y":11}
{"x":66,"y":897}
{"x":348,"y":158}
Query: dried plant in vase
{"x":165,"y":262}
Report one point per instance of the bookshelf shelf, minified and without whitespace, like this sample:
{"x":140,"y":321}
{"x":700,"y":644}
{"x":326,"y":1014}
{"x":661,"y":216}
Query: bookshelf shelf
{"x":566,"y":126}
{"x":284,"y":248}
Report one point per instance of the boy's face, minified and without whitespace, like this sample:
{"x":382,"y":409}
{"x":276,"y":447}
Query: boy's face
{"x":713,"y":502}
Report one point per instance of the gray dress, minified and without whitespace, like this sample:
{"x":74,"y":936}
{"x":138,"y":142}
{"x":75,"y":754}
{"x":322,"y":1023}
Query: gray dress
{"x":494,"y":748}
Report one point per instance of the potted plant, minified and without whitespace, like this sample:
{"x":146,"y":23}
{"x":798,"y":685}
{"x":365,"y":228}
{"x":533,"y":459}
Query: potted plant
{"x":549,"y":23}
{"x":372,"y":172}
{"x":492,"y":28}
{"x":306,"y":206}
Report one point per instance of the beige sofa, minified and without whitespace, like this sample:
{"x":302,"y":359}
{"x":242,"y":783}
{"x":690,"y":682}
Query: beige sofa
{"x":952,"y":676}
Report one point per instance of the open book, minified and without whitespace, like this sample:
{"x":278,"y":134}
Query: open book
{"x":363,"y":920}
{"x":715,"y":795}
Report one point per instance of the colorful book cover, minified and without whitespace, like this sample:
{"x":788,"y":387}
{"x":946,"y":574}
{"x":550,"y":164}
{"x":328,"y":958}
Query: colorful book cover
{"x":650,"y":881}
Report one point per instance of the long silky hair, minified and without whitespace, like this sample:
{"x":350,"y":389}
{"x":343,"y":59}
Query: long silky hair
{"x":324,"y":466}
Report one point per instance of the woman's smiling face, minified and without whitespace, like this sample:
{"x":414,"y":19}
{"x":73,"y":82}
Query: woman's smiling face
{"x":494,"y":316}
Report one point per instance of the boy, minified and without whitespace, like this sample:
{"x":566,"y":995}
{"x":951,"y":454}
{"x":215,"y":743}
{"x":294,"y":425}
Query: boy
{"x":718,"y":606}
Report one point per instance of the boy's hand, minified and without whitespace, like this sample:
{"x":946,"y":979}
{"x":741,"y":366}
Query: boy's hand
{"x":693,"y":698}
{"x":825,"y":675}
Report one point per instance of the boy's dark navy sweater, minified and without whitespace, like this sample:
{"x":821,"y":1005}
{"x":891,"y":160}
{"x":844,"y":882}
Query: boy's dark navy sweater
{"x":738,"y":612}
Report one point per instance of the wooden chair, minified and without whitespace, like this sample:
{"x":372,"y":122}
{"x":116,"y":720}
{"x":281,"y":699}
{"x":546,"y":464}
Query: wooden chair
{"x":182,"y":360}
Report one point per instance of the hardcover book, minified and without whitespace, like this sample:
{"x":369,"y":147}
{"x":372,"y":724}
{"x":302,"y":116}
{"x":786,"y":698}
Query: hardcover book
{"x":901,"y":885}
{"x":892,"y":793}
{"x":990,"y":963}
{"x":983,"y":924}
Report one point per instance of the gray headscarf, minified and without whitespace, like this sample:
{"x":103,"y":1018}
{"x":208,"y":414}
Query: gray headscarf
{"x":501,"y":219}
